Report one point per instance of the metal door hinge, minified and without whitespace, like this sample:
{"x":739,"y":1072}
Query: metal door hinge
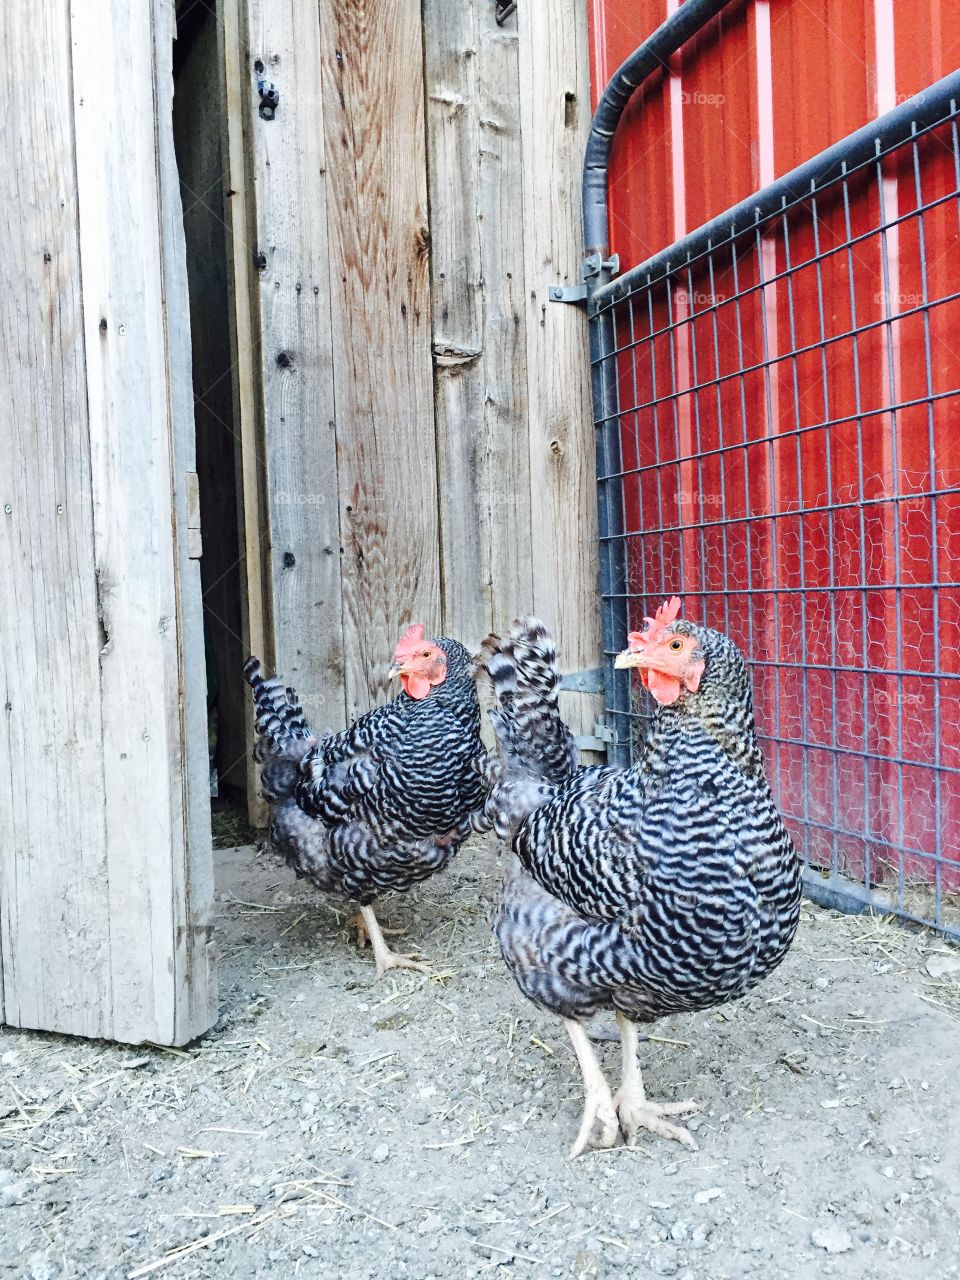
{"x":603,"y":737}
{"x":583,"y":681}
{"x":568,"y":293}
{"x":592,"y":266}
{"x":504,"y":10}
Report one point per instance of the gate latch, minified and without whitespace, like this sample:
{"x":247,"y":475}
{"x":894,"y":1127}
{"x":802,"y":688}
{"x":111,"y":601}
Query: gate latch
{"x":592,"y":266}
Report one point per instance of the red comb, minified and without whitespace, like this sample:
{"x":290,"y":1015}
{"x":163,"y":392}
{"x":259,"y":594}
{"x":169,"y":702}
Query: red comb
{"x":409,"y":642}
{"x":654,"y":627}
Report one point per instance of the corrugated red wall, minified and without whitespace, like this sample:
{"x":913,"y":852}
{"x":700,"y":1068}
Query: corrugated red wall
{"x":767,"y":85}
{"x":833,"y":595}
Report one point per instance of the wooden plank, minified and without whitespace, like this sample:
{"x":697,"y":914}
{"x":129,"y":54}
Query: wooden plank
{"x":372,"y":81}
{"x":479,"y":341}
{"x":133,"y":515}
{"x":194,"y":973}
{"x":555,"y":113}
{"x":54,"y":922}
{"x":245,"y":343}
{"x":288,"y":172}
{"x":195,"y":542}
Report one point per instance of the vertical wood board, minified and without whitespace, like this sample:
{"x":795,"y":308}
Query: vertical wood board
{"x":194,"y":973}
{"x":134,"y":519}
{"x":288,"y":168}
{"x":479,"y":339}
{"x":54,"y":924}
{"x":555,"y":116}
{"x":100,"y":886}
{"x":379,"y":252}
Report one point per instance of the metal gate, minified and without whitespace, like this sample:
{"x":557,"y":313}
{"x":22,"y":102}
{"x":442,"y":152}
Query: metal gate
{"x":774,"y":405}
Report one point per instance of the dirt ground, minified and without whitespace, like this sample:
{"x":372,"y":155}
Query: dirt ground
{"x":334,"y":1127}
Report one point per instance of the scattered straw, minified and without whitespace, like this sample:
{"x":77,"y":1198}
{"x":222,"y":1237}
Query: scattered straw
{"x":551,"y":1213}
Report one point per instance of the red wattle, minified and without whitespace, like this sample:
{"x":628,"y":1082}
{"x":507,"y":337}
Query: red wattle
{"x":416,"y":686}
{"x":665,"y":689}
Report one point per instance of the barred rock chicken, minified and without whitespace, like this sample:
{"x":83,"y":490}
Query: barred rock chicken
{"x":388,"y":801}
{"x":665,"y":887}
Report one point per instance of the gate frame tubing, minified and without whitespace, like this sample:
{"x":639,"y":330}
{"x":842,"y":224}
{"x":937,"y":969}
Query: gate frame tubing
{"x":604,"y":291}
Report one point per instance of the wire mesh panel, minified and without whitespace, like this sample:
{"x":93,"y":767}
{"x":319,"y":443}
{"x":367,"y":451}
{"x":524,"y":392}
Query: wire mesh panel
{"x":778,"y":444}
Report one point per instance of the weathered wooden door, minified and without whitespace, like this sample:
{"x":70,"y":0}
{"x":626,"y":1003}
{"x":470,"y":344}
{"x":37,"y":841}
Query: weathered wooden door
{"x":105,"y":879}
{"x":414,"y":416}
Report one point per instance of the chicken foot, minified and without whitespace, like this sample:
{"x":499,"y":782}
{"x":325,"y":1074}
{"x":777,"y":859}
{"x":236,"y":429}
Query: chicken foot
{"x":598,"y":1107}
{"x":368,"y":930}
{"x":633,"y":1108}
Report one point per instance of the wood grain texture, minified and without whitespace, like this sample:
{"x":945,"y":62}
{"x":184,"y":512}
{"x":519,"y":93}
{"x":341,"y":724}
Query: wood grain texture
{"x":54,"y":922}
{"x":555,"y":115}
{"x":194,"y":970}
{"x":132,"y":471}
{"x":288,"y":168}
{"x":105,"y":879}
{"x":372,"y":76}
{"x":479,"y":339}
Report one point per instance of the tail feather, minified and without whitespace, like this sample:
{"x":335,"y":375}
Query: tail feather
{"x":537,"y":751}
{"x":284,"y":737}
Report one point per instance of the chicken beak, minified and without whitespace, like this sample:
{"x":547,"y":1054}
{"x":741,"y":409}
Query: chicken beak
{"x":630,"y":658}
{"x":394,"y":671}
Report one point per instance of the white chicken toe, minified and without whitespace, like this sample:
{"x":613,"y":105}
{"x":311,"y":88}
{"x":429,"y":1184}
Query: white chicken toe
{"x":635,"y":1112}
{"x":599,"y":1126}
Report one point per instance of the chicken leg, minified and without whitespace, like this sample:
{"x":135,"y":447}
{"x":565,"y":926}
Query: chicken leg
{"x":598,"y":1107}
{"x":368,"y":927}
{"x":634,"y":1110}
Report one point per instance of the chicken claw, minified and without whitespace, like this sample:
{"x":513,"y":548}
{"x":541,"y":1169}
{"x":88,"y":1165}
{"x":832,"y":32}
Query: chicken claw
{"x":598,"y":1107}
{"x":358,"y":926}
{"x":636,"y":1112}
{"x":598,"y":1111}
{"x":385,"y":958}
{"x":396,"y":960}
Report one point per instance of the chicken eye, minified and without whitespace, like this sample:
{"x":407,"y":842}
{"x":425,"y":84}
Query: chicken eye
{"x":676,"y":645}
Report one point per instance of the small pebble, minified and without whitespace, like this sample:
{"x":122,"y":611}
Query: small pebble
{"x":705,"y":1196}
{"x":941,"y":964}
{"x":832,"y":1238}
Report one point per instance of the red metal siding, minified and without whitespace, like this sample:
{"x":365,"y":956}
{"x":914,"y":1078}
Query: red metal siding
{"x":828,"y":535}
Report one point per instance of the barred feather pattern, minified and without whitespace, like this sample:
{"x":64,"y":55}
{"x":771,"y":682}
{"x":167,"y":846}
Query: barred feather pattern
{"x":386,"y":802}
{"x":669,"y":886}
{"x":536,"y":750}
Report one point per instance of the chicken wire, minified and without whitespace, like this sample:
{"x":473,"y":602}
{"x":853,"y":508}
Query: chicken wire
{"x":776,"y":443}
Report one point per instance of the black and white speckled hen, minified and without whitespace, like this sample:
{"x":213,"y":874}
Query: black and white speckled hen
{"x":666,"y":887}
{"x":388,"y":801}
